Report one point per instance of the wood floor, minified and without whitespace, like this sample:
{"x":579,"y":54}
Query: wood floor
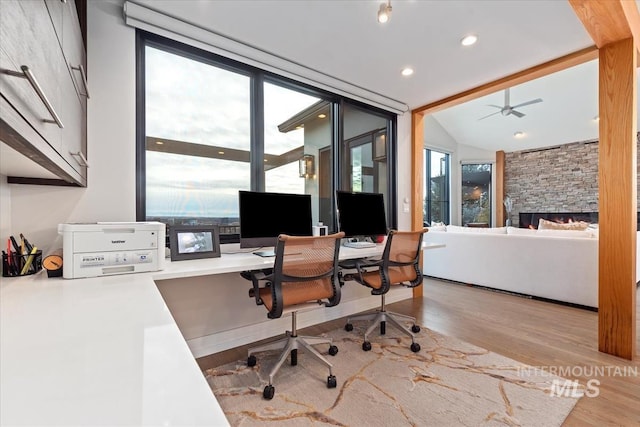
{"x":537,"y":333}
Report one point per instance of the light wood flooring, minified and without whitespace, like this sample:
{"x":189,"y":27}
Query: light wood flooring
{"x":537,"y":333}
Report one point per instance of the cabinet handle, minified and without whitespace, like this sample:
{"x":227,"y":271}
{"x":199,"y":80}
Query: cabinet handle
{"x":84,"y":162}
{"x":84,"y":79}
{"x":27,"y":74}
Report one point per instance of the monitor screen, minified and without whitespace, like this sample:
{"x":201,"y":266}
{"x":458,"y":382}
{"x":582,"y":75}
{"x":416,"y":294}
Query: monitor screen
{"x":361,"y":214}
{"x":264,"y":216}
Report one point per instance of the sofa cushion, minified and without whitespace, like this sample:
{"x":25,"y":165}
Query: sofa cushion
{"x":521,"y":231}
{"x":550,"y":225}
{"x":438,"y":228}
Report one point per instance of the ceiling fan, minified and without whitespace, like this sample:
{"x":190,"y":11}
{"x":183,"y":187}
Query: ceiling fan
{"x":507,"y":109}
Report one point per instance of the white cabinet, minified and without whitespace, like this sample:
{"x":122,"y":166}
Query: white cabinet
{"x":43,"y":85}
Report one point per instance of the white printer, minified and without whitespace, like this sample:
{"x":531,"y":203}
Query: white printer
{"x":106,"y":248}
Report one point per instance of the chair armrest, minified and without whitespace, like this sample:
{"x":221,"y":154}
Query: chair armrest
{"x":256,"y":276}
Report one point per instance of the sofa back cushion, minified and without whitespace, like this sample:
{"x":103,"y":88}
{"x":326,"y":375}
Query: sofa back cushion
{"x":493,"y":230}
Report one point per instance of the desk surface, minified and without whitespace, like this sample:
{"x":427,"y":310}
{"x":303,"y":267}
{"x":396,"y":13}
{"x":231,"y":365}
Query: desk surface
{"x":106,"y":350}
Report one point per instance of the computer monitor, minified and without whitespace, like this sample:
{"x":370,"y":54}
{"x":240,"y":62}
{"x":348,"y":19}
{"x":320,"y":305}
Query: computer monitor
{"x":264,"y":216}
{"x":361,"y":214}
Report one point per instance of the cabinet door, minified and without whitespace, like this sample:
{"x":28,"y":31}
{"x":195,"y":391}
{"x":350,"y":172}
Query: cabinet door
{"x":28,"y":39}
{"x":74,"y":91}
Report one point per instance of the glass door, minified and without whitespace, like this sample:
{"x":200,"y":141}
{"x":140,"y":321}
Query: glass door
{"x":476,"y":195}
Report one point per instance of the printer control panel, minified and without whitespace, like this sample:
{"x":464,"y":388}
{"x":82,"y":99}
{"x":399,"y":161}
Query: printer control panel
{"x":106,"y":259}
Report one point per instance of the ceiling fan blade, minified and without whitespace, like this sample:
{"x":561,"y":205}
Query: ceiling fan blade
{"x":533,"y":101}
{"x":517,"y":113}
{"x":493,"y":105}
{"x":492,"y":114}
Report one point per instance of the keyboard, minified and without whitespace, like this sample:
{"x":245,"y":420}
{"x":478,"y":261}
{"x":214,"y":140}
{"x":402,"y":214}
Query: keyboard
{"x":359,"y":245}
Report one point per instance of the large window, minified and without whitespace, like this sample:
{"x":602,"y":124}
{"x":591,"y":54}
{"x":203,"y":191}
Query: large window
{"x":436,"y":187}
{"x":209,"y":127}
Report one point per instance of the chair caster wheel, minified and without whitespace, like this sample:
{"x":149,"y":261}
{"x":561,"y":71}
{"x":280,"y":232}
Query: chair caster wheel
{"x":333,"y":350}
{"x":366,"y":346}
{"x":415,"y":329}
{"x":415,"y":347}
{"x":251,"y":361}
{"x":348,"y":327}
{"x":331,"y":381}
{"x":268,"y":392}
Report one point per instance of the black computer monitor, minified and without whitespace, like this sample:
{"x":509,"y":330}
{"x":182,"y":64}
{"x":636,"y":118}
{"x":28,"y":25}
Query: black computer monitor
{"x":264,"y":216}
{"x":361,"y":214}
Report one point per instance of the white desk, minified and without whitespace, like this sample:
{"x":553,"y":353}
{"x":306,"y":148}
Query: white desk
{"x":107,"y":350}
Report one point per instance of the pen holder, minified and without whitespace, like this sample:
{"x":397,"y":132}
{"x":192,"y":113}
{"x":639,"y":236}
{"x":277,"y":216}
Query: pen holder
{"x":14,"y":265}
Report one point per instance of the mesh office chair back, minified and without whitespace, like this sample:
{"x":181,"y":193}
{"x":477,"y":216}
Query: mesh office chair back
{"x":400,"y":263}
{"x":305,"y":270}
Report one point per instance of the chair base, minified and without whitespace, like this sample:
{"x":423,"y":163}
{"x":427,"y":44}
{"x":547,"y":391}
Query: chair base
{"x":289,"y":346}
{"x":381,"y":317}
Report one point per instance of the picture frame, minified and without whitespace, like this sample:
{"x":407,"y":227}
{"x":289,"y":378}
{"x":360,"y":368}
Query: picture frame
{"x":194,"y":242}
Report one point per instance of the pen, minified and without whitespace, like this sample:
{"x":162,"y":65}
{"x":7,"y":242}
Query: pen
{"x":29,"y":261}
{"x":15,"y":244}
{"x":27,"y":245}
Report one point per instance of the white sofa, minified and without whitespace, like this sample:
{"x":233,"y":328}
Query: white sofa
{"x":529,"y":262}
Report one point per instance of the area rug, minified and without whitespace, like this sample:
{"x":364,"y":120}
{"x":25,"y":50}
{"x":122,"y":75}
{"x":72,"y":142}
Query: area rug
{"x":447,"y":383}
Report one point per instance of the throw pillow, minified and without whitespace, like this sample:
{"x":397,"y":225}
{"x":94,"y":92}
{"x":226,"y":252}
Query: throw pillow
{"x":566,"y":233}
{"x":550,"y":225}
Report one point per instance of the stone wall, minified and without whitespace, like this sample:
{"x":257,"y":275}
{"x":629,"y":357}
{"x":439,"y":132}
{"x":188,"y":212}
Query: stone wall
{"x":556,"y":179}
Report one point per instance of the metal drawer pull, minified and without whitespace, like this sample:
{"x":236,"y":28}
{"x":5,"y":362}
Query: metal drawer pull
{"x":84,"y":162}
{"x":84,"y":79}
{"x":27,"y":74}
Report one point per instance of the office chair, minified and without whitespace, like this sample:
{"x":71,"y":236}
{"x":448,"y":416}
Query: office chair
{"x":305,"y":274}
{"x":399,"y":265}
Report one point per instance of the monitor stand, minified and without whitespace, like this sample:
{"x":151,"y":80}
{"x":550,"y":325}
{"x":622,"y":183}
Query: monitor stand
{"x":358,"y":242}
{"x":264,"y":254}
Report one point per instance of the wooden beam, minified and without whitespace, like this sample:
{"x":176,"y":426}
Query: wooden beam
{"x":417,"y":174}
{"x":499,"y":193}
{"x":550,"y":67}
{"x":617,"y":199}
{"x":608,"y":21}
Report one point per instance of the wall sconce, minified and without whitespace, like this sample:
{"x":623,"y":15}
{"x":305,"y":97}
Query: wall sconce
{"x":307,"y":166}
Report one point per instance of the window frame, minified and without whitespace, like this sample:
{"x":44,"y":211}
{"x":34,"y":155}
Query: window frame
{"x":257,"y":79}
{"x":427,"y":159}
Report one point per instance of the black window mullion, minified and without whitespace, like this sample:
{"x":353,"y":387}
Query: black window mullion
{"x":337,"y":125}
{"x":257,"y":132}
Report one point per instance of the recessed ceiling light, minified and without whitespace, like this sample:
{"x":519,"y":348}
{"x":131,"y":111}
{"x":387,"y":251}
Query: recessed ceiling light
{"x":519,"y":134}
{"x":322,"y":116}
{"x":384,"y":13}
{"x":159,"y":142}
{"x":407,"y":71}
{"x":469,"y":40}
{"x":596,"y":118}
{"x":220,"y":152}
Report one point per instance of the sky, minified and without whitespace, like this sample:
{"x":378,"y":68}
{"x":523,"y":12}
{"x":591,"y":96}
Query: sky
{"x":190,"y":101}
